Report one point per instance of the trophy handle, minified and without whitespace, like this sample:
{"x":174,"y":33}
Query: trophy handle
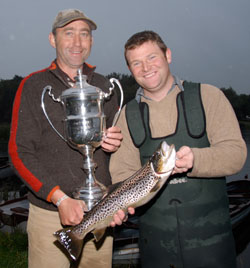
{"x":112,"y":80}
{"x":49,"y":88}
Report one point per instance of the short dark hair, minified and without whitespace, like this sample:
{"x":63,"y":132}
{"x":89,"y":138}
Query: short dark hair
{"x":140,"y":38}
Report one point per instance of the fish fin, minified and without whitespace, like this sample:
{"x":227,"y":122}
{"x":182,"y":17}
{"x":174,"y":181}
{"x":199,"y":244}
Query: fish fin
{"x":112,"y":187}
{"x":70,"y":241}
{"x":156,"y":187}
{"x":99,"y":233}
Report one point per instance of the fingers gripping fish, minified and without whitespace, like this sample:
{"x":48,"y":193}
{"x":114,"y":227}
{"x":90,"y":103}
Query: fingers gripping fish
{"x":135,"y":191}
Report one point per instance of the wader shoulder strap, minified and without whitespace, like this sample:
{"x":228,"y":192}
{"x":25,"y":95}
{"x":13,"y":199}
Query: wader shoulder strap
{"x":135,"y":123}
{"x":193,"y":109}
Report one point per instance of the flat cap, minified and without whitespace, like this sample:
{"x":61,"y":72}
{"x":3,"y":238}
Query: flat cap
{"x":66,"y":16}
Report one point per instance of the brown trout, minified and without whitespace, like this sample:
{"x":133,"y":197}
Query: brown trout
{"x":135,"y":191}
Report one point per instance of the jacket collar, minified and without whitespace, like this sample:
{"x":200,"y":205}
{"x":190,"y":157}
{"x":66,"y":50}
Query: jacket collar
{"x":86,"y":70}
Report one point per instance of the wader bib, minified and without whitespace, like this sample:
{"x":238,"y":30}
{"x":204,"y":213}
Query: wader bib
{"x":187,"y":225}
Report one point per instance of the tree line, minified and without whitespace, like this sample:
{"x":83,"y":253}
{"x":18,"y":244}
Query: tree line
{"x":8,"y":88}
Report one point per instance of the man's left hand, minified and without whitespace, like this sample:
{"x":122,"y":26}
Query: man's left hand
{"x":184,"y":161}
{"x":112,"y":139}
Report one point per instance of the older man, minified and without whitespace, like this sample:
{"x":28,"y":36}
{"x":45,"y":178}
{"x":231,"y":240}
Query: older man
{"x":47,"y":165}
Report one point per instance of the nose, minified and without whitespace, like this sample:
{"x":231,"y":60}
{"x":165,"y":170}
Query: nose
{"x":77,"y":40}
{"x":145,"y":66}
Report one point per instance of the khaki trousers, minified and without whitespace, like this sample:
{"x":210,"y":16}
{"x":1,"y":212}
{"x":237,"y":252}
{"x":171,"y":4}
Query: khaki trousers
{"x":45,"y":252}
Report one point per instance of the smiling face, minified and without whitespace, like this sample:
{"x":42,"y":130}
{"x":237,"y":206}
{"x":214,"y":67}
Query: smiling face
{"x":150,"y":68}
{"x":73,"y":44}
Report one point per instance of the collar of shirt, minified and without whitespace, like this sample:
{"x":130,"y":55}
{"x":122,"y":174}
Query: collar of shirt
{"x":140,"y":90}
{"x":86,"y":70}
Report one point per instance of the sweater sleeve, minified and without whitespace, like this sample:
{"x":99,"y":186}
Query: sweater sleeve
{"x":227,"y":152}
{"x":25,"y":135}
{"x":126,"y":160}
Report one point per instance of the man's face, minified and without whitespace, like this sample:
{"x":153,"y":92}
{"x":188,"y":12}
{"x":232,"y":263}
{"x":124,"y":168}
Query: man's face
{"x":73,"y":45}
{"x":150,"y":68}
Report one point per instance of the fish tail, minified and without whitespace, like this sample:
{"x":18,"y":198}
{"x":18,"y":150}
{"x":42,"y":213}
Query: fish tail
{"x":72,"y":243}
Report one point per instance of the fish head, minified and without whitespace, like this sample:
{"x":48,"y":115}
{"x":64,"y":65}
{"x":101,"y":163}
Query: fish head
{"x":163,"y":160}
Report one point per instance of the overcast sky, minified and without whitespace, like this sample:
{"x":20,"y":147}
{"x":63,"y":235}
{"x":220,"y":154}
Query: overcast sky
{"x":209,"y":39}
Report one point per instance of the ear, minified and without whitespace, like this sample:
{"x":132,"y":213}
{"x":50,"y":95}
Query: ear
{"x":52,"y":40}
{"x":169,"y":55}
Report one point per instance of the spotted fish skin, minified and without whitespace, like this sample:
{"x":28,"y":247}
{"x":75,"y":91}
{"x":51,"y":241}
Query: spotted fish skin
{"x":132,"y":192}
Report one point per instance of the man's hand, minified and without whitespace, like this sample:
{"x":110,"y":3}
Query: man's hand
{"x":121,"y":217}
{"x":184,"y":161}
{"x":112,"y":140}
{"x":70,"y":210}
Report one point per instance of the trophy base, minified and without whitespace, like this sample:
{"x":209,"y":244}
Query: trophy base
{"x":90,"y":196}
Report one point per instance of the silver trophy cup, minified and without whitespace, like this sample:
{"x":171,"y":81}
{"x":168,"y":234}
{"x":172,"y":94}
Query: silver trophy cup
{"x":85,"y":125}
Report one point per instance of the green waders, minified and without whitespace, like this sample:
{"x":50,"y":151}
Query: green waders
{"x":187,"y":225}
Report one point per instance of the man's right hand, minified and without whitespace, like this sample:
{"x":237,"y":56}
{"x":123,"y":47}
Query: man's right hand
{"x":70,"y":210}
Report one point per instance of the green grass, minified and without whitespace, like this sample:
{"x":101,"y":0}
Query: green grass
{"x":13,"y":249}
